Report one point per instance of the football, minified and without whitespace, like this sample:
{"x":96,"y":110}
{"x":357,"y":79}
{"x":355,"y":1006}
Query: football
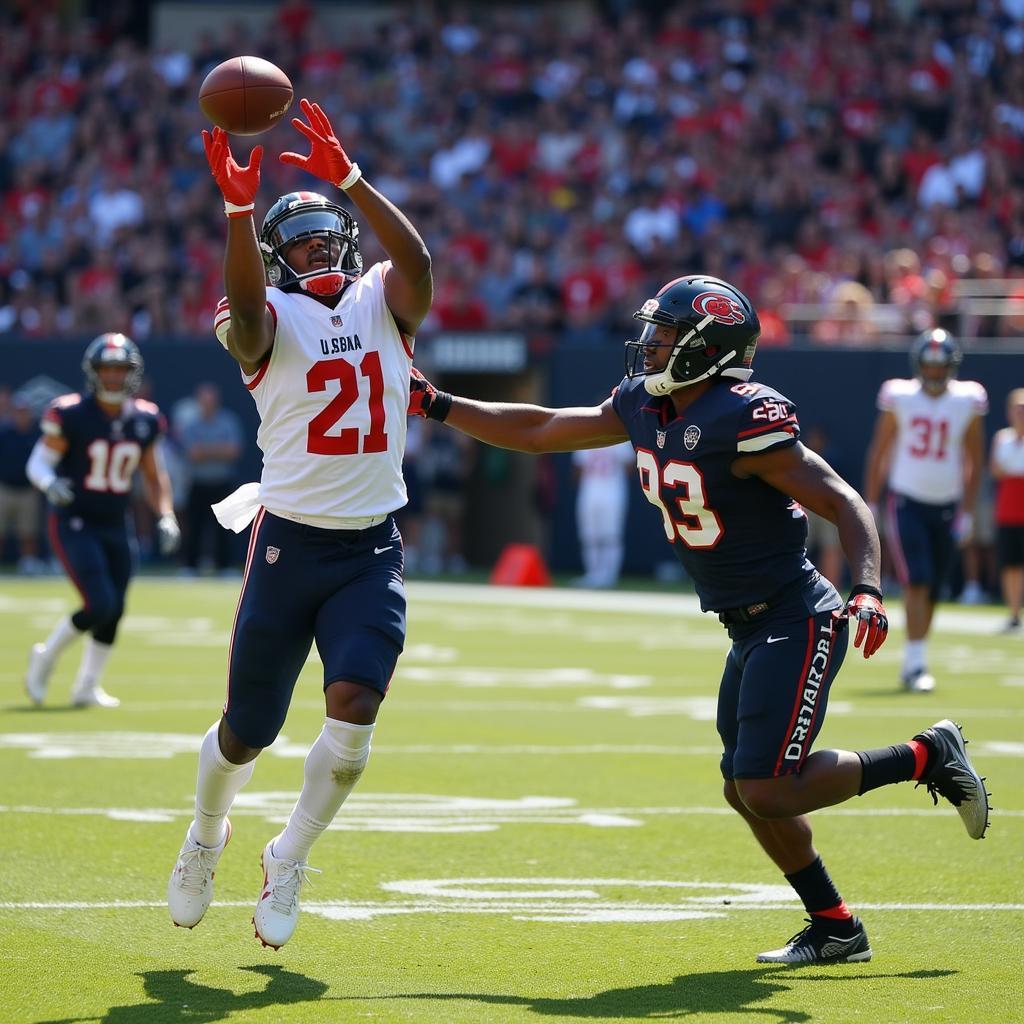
{"x":245,"y":95}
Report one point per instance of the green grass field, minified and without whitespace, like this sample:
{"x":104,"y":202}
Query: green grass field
{"x":539,"y":834}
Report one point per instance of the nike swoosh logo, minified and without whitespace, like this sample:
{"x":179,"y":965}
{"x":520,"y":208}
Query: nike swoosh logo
{"x":380,"y":551}
{"x":776,"y":639}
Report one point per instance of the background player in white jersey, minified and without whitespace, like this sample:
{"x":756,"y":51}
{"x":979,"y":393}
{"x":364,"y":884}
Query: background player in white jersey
{"x":602,"y":499}
{"x":326,"y":354}
{"x":928,"y":446}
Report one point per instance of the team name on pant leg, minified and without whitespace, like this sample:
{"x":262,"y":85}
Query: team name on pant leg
{"x":809,"y":699}
{"x":347,"y":343}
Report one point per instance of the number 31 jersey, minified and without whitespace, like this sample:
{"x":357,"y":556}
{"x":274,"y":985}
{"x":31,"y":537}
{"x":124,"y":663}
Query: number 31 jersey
{"x":927,"y":462}
{"x":740,"y":540}
{"x":332,"y":398}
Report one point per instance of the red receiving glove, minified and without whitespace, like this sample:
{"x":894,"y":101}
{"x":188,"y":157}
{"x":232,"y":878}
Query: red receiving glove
{"x":865,"y":606}
{"x":327,"y":159}
{"x":425,"y":400}
{"x":237,"y":184}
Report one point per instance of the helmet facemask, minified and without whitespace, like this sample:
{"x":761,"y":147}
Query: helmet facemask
{"x":112,"y":350}
{"x":340,"y":235}
{"x":936,"y":348}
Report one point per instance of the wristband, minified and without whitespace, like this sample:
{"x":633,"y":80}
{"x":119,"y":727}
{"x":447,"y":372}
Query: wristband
{"x":351,"y":178}
{"x":440,"y":406}
{"x":238,"y":211}
{"x":864,"y":588}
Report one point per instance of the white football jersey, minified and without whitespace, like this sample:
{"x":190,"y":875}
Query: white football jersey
{"x":602,"y":464}
{"x":928,"y":457}
{"x":333,"y":399}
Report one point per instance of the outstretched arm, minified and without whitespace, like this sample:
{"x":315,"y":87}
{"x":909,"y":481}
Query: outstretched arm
{"x":523,"y":428}
{"x":408,"y":288}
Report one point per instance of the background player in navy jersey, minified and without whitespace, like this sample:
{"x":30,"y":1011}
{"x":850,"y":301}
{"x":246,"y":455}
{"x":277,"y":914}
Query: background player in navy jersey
{"x":719,"y":456}
{"x":84,"y":463}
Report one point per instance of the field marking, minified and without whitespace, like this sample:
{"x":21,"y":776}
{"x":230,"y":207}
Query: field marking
{"x":555,"y":900}
{"x":448,"y":814}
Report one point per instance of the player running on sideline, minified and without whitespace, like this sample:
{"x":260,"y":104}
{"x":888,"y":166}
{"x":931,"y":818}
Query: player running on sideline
{"x":85,"y":463}
{"x":719,"y":456}
{"x":326,"y":354}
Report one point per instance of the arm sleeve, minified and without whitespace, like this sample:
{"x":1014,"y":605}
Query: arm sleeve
{"x":42,"y":464}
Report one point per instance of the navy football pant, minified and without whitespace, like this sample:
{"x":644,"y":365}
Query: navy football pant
{"x":342,"y":589}
{"x":921,"y":541}
{"x":774,"y":693}
{"x":99,"y":561}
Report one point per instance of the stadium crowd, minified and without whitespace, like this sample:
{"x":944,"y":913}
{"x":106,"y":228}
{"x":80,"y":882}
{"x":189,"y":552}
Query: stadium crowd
{"x":858,"y":157}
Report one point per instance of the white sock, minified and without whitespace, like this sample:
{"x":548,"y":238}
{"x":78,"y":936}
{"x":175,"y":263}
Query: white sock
{"x":64,"y":633}
{"x":94,"y":661}
{"x":914,"y":655}
{"x":333,"y":766}
{"x":216,"y":788}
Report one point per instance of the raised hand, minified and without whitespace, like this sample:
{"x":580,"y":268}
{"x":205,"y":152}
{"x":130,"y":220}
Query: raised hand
{"x":866,"y":609}
{"x":327,"y":158}
{"x":237,"y":184}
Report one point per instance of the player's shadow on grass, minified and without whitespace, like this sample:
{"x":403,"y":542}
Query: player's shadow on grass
{"x":174,"y":997}
{"x":689,"y":994}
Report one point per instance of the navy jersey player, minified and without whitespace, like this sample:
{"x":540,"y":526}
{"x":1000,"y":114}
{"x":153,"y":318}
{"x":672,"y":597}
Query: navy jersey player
{"x":326,"y":353}
{"x":719,"y":457}
{"x":85,"y":463}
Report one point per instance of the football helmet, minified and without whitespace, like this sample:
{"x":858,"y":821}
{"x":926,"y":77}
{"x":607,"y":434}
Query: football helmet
{"x":112,"y":349}
{"x":302,"y":215}
{"x":936,"y":347}
{"x":716,"y":331}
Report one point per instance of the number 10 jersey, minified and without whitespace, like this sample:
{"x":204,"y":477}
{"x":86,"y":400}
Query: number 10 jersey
{"x":332,"y":397}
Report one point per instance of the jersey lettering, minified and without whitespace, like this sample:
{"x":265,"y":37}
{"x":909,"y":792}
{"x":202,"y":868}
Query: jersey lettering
{"x":346,"y":441}
{"x":111,"y":466}
{"x":698,"y":525}
{"x":931,"y":438}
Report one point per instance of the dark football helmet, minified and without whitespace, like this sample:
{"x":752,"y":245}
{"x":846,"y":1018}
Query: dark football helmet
{"x":302,"y":215}
{"x":112,"y":349}
{"x":716,"y":331}
{"x":936,"y":347}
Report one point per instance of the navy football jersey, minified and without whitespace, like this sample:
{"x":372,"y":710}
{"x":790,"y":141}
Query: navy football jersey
{"x":740,"y":540}
{"x":103,"y":452}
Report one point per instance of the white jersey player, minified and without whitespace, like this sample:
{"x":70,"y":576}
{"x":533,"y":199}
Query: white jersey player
{"x":326,"y":353}
{"x":927,"y":450}
{"x":602,"y":498}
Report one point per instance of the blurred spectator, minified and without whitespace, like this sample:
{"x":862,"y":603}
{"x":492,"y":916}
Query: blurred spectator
{"x":211,"y":440}
{"x":445,"y":462}
{"x":730,"y":139}
{"x":19,"y":500}
{"x":602,"y":499}
{"x":1007,"y":466}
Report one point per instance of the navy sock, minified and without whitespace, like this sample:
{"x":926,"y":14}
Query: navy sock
{"x":819,"y":895}
{"x":885,"y":766}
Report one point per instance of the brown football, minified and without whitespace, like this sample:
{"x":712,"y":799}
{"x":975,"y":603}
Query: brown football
{"x":245,"y":95}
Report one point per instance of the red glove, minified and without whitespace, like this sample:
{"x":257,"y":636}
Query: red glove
{"x":865,"y":606}
{"x":238,"y":185}
{"x":425,"y":400}
{"x":327,"y":159}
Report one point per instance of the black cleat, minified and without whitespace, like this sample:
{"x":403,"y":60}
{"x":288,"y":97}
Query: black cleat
{"x":952,"y":776}
{"x":816,"y":945}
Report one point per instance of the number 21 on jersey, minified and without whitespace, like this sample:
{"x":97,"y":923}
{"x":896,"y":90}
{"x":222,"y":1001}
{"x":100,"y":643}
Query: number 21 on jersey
{"x":699,"y":526}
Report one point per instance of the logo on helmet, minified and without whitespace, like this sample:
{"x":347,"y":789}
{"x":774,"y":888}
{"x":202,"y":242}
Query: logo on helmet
{"x":719,"y":307}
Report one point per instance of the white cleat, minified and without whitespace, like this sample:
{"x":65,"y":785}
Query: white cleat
{"x":37,"y":678}
{"x":190,"y":888}
{"x":93,"y":697}
{"x":920,"y":681}
{"x":277,"y":910}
